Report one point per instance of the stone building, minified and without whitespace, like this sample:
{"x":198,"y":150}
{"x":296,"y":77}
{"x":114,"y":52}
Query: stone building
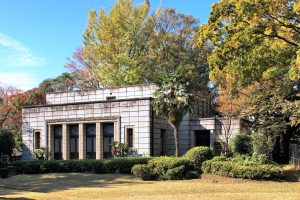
{"x":83,"y":124}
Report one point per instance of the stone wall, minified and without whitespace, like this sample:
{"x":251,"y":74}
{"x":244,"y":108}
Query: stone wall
{"x":134,"y":112}
{"x":187,"y":129}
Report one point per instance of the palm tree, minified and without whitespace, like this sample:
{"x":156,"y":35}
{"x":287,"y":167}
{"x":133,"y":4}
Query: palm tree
{"x":173,"y":99}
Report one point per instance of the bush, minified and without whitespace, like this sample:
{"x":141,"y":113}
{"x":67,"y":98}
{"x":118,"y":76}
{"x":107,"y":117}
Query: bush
{"x":241,"y":144}
{"x":166,"y":168}
{"x":7,"y":142}
{"x":143,"y":171}
{"x":262,"y":145}
{"x":116,"y":165}
{"x":198,"y":155}
{"x":242,"y":167}
{"x":29,"y":167}
{"x":217,"y":148}
{"x":3,"y":172}
{"x":123,"y":165}
{"x":52,"y":166}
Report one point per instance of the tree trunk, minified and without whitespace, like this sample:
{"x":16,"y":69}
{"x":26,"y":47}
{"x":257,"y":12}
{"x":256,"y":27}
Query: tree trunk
{"x":176,"y":137}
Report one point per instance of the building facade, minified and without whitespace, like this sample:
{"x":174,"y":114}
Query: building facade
{"x":83,"y":124}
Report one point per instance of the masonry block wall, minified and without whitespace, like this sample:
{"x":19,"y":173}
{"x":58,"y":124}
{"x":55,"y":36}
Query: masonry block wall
{"x":128,"y":107}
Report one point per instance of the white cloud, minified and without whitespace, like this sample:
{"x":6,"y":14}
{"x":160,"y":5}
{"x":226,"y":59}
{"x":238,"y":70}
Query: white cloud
{"x":15,"y":54}
{"x":20,"y":80}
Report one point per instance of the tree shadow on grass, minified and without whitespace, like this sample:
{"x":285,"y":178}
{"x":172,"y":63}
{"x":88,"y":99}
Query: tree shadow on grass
{"x":45,"y":183}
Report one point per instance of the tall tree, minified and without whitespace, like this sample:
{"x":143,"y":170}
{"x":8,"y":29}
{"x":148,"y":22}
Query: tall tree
{"x":259,"y":41}
{"x":11,"y":102}
{"x":173,"y":99}
{"x":84,"y":74}
{"x":129,"y":45}
{"x":115,"y":43}
{"x":62,"y":83}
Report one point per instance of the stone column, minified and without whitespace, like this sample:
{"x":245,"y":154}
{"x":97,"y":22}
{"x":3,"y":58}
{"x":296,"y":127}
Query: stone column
{"x":65,"y":142}
{"x":99,"y":141}
{"x":51,"y":142}
{"x":117,"y":130}
{"x":82,"y":141}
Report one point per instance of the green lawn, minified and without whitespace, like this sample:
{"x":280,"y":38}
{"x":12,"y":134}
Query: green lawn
{"x":108,"y":186}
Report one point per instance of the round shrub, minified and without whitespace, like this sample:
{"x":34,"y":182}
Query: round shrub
{"x":143,"y":172}
{"x":198,"y":155}
{"x":165,"y":168}
{"x":7,"y":142}
{"x":241,"y":144}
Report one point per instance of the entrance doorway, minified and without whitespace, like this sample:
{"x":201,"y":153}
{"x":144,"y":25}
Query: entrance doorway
{"x":202,"y":138}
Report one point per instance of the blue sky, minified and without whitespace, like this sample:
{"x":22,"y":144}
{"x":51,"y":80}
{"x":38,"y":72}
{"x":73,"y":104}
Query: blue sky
{"x":36,"y":37}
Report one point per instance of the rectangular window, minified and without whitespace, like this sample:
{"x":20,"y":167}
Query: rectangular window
{"x":90,"y":130}
{"x":108,"y":138}
{"x":57,"y":142}
{"x":37,"y":140}
{"x":74,"y":145}
{"x":163,"y":142}
{"x":130,"y":137}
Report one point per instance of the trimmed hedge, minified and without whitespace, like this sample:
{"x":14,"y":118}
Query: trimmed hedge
{"x":165,"y":168}
{"x":198,"y":155}
{"x":114,"y":165}
{"x":237,"y":168}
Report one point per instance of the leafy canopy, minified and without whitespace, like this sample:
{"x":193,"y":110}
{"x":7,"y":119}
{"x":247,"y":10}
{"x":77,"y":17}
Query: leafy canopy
{"x":129,"y":45}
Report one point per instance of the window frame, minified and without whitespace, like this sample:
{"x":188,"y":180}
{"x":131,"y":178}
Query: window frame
{"x":35,"y":139}
{"x":92,"y":154}
{"x":126,"y":135}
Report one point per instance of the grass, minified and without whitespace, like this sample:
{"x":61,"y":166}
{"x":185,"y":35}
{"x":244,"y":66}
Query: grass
{"x":113,"y":186}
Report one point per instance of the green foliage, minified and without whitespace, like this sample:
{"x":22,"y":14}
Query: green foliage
{"x":63,"y":83}
{"x":143,"y":172}
{"x":122,"y":150}
{"x":116,"y":165}
{"x":217,"y":148}
{"x":241,"y":144}
{"x":166,"y":168}
{"x":256,"y":55}
{"x":34,"y":167}
{"x":7,"y":142}
{"x":262,"y":145}
{"x":198,"y":155}
{"x":123,"y":165}
{"x":129,"y":45}
{"x":242,"y":167}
